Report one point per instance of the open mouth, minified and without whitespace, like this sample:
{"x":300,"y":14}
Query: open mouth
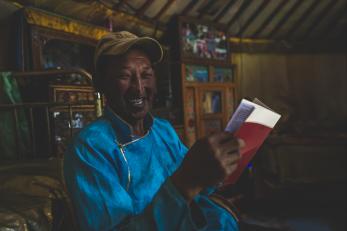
{"x":136,"y":102}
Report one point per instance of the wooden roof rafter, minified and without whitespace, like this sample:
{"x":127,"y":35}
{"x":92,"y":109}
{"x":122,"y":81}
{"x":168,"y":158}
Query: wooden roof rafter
{"x":139,"y":20}
{"x":120,"y":4}
{"x":255,"y":14}
{"x":262,"y":19}
{"x":244,"y":5}
{"x":141,"y":11}
{"x":163,"y":9}
{"x":285,"y":18}
{"x":266,"y":22}
{"x":224,"y":10}
{"x":189,"y":7}
{"x":319,"y":18}
{"x":123,"y":5}
{"x":206,"y":8}
{"x":305,"y":15}
{"x":334,"y":22}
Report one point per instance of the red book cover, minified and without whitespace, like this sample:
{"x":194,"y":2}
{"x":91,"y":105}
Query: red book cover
{"x":254,"y":129}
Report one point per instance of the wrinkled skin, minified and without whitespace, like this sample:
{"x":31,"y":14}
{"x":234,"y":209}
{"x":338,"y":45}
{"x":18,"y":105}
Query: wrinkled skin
{"x":130,"y":87}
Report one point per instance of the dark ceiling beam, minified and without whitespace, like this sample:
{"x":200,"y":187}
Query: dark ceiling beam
{"x":303,"y":18}
{"x":119,"y":4}
{"x":189,"y":7}
{"x":206,"y":8}
{"x":322,"y":14}
{"x":244,"y":5}
{"x":271,"y":16}
{"x":124,"y":4}
{"x":130,"y":7}
{"x":285,"y":18}
{"x":144,"y":7}
{"x":143,"y":23}
{"x":255,"y":14}
{"x":334,"y":22}
{"x":224,"y":10}
{"x":163,"y":9}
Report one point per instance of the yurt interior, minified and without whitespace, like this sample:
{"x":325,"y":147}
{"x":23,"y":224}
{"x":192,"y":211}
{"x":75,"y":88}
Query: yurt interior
{"x":286,"y":59}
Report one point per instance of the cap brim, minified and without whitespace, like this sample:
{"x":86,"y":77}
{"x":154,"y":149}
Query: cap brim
{"x":150,"y":46}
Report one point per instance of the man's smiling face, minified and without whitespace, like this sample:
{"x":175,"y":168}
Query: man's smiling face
{"x":130,"y":85}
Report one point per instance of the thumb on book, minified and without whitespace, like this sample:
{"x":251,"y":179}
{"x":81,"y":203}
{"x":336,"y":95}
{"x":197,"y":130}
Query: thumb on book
{"x":242,"y":143}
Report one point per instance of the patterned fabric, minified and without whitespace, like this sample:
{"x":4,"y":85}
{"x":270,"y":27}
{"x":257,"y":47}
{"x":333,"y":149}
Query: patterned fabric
{"x":120,"y":182}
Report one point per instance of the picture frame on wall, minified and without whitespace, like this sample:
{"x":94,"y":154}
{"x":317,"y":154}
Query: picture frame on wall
{"x":222,"y":74}
{"x":196,"y":73}
{"x":199,"y":40}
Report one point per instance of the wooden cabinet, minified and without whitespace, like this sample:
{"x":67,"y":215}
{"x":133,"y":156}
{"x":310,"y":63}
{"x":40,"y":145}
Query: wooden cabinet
{"x":207,"y":77}
{"x":207,"y":104}
{"x":53,"y":43}
{"x":75,"y":109}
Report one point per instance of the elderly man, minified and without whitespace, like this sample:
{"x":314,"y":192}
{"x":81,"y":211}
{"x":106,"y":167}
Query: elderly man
{"x":128,"y":170}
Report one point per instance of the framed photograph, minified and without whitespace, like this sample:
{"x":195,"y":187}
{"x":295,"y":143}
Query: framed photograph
{"x":202,"y":41}
{"x":196,"y":73}
{"x":221,"y":74}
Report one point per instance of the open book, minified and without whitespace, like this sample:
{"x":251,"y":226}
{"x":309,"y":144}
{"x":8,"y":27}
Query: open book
{"x":252,"y":122}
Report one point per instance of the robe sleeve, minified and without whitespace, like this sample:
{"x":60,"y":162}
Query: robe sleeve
{"x":102,"y":203}
{"x":168,"y":211}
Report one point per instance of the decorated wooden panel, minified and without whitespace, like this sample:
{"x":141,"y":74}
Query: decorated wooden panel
{"x":190,"y":120}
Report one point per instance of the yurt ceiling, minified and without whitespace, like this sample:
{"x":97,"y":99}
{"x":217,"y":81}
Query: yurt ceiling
{"x":294,"y":20}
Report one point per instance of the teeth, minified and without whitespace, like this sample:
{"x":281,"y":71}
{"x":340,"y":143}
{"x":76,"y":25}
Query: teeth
{"x":137,"y":101}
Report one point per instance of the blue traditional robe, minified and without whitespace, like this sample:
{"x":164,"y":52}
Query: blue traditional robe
{"x":120,"y":182}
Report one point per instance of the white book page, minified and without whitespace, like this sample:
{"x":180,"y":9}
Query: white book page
{"x":256,"y":112}
{"x":263,"y":116}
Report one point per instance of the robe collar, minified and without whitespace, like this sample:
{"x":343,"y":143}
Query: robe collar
{"x":124,"y":131}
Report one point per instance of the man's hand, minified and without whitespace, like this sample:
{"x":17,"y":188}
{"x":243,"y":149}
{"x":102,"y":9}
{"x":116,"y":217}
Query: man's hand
{"x":207,"y":163}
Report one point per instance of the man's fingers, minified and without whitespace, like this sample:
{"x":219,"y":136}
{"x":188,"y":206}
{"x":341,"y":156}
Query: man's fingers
{"x":231,"y":168}
{"x":222,"y":137}
{"x":242,"y":143}
{"x":231,"y":159}
{"x":233,"y":146}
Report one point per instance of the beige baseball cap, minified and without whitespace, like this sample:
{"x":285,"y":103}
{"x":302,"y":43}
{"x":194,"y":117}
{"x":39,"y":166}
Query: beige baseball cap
{"x":118,"y":43}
